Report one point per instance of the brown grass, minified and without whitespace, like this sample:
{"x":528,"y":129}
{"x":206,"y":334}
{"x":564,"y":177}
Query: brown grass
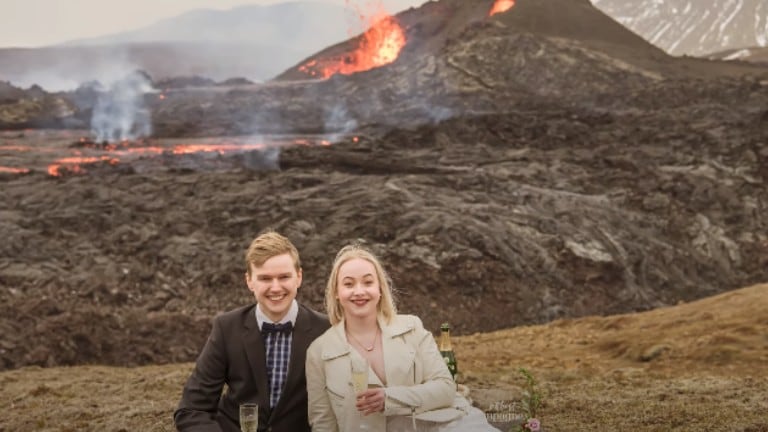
{"x":691,"y":367}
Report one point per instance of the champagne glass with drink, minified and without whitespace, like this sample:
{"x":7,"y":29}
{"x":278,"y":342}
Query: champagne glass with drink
{"x":249,"y":417}
{"x":360,"y":382}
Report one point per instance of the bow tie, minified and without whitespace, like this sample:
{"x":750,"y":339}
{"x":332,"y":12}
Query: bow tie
{"x":267,"y":328}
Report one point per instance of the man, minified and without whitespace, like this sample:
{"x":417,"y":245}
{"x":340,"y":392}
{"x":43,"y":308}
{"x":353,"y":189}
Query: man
{"x":258,"y":351}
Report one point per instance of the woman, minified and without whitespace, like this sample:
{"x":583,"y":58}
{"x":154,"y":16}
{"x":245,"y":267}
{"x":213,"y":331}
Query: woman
{"x":409,"y":386}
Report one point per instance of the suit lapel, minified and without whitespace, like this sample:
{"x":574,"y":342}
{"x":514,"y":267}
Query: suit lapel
{"x":257,"y":357}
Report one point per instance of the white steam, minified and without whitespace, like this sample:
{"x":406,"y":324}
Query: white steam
{"x":120,"y":112}
{"x":338,"y":119}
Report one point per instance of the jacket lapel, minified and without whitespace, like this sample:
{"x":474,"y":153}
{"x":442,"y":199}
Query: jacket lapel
{"x":339,"y":346}
{"x":398,"y":356}
{"x":257,"y":357}
{"x":336,"y":355}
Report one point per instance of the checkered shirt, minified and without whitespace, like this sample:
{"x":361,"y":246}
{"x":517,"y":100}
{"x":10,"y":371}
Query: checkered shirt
{"x":278,"y":346}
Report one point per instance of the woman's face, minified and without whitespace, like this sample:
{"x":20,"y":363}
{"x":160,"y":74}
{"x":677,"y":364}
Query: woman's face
{"x":358,"y":288}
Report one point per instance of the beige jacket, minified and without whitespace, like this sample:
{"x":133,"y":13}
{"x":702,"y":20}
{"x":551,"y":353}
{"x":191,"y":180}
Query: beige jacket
{"x":416,"y":375}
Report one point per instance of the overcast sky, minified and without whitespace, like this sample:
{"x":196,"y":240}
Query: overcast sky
{"x":34,"y":23}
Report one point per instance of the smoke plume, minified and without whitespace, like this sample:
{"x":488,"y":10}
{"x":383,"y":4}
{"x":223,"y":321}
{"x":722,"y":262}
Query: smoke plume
{"x":120,"y":112}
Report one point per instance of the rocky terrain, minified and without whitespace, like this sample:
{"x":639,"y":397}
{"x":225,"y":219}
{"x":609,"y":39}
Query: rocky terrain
{"x":539,"y":213}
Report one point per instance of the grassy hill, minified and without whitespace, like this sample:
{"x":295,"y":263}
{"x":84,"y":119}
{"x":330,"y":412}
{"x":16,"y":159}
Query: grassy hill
{"x":691,"y":367}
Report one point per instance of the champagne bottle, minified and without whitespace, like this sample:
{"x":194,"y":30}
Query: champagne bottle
{"x":446,"y":349}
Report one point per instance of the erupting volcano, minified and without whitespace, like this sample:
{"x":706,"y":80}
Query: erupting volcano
{"x":501,"y":6}
{"x":378,"y":46}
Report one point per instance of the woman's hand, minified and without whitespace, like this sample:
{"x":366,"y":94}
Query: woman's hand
{"x":371,"y":401}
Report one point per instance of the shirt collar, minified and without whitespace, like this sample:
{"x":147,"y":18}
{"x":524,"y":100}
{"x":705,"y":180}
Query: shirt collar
{"x":293,"y":312}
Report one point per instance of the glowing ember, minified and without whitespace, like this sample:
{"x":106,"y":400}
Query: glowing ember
{"x":378,"y":46}
{"x":73,"y":164}
{"x":302,"y":142}
{"x":12,"y":170}
{"x":501,"y":6}
{"x":218,"y":148}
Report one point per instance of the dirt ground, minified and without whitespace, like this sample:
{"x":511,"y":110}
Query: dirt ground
{"x":690,"y":367}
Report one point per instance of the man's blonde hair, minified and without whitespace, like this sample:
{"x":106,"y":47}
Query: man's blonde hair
{"x":386,"y":307}
{"x":267,"y":245}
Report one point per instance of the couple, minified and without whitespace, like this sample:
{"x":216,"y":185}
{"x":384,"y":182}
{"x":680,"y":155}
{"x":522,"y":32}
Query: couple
{"x":260,"y":352}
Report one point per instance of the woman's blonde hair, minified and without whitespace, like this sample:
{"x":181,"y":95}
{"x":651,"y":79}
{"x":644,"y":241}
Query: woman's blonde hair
{"x":386,"y":307}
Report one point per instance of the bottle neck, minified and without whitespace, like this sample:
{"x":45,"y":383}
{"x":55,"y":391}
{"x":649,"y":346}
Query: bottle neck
{"x":445,"y":341}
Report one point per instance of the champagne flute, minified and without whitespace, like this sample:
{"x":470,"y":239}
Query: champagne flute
{"x":360,"y":382}
{"x":249,"y":417}
{"x":360,"y":375}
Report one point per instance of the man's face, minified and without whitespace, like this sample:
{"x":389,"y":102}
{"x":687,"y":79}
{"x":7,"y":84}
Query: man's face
{"x":274,"y":284}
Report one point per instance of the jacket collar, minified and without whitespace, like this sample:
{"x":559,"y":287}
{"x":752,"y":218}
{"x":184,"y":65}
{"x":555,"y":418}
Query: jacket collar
{"x":396,"y":327}
{"x":340,"y":345}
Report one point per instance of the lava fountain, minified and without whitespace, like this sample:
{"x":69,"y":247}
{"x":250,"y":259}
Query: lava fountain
{"x":379,"y":45}
{"x":501,"y":6}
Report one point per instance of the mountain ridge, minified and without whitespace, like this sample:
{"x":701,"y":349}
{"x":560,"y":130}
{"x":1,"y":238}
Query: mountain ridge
{"x":695,"y":28}
{"x":249,"y":23}
{"x":318,"y":28}
{"x":252,"y":44}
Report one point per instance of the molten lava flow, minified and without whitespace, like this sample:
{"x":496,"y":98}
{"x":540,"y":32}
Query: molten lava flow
{"x":218,"y":148}
{"x":378,"y":46}
{"x":61,"y":153}
{"x":74,"y":164}
{"x":501,"y":6}
{"x":12,"y":170}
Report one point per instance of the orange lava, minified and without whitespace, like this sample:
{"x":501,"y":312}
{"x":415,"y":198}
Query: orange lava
{"x":379,"y":45}
{"x":87,"y":153}
{"x":12,"y":170}
{"x":218,"y":148}
{"x":501,"y":6}
{"x":74,"y":164}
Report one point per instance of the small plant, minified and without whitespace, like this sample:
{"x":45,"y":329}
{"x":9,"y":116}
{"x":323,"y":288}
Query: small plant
{"x":531,"y":403}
